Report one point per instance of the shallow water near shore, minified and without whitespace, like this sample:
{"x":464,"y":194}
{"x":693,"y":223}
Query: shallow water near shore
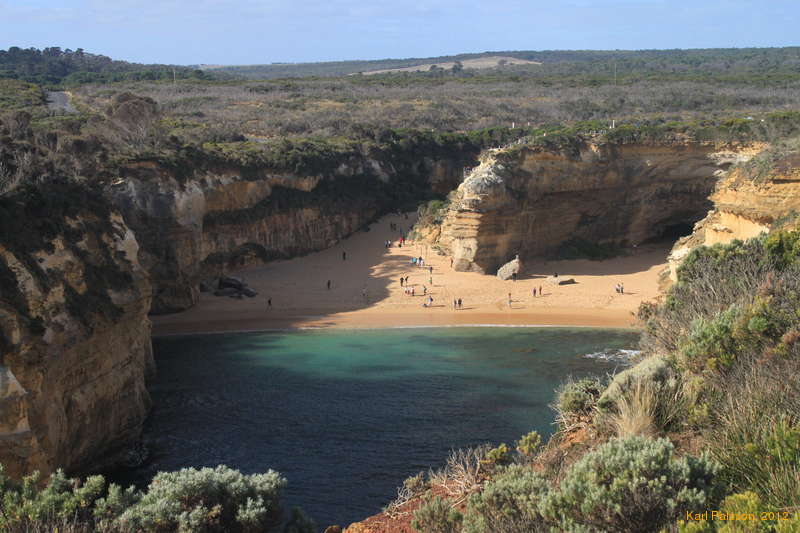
{"x":346,"y":415}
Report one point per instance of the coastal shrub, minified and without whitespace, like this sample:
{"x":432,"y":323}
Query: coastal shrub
{"x":26,"y":506}
{"x":437,"y":516}
{"x":500,"y":456}
{"x":576,"y":399}
{"x":633,"y":484}
{"x":528,"y":445}
{"x":209,"y":499}
{"x":463,"y":472}
{"x":758,"y":436}
{"x":507,"y":504}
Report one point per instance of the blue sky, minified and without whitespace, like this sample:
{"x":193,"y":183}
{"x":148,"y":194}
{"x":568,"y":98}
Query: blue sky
{"x":250,"y":31}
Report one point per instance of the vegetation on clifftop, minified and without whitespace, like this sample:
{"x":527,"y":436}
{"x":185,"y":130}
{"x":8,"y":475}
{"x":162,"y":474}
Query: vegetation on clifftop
{"x":211,"y":500}
{"x":708,"y":420}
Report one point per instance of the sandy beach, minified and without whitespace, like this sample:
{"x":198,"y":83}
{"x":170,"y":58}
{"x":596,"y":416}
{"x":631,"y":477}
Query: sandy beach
{"x":366,"y":292}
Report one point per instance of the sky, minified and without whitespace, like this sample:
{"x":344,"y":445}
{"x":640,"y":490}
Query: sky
{"x":256,"y":32}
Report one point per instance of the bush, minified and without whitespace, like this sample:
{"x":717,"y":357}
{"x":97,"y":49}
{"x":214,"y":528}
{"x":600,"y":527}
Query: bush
{"x":633,"y":484}
{"x":209,"y":499}
{"x":25,"y":506}
{"x":436,"y":516}
{"x":576,"y":399}
{"x":507,"y":504}
{"x":529,"y":444}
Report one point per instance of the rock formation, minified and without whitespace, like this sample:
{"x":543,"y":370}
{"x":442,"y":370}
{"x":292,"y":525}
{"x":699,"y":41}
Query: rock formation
{"x":744,"y":207}
{"x":204,"y":225}
{"x":74,"y":339}
{"x":530,"y":200}
{"x":510,"y":269}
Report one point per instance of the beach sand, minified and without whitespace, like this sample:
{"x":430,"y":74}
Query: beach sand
{"x":300,"y":298}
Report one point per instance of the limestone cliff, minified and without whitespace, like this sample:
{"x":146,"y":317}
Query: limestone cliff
{"x":221,"y":218}
{"x":529,"y":200}
{"x":744,"y":206}
{"x":74,"y":333}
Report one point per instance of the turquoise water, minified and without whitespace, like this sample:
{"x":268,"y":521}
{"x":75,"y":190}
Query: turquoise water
{"x":346,"y":415}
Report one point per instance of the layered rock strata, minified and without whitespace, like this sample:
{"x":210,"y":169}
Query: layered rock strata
{"x":744,"y":206}
{"x":74,"y":343}
{"x":219,"y":219}
{"x":531,"y":201}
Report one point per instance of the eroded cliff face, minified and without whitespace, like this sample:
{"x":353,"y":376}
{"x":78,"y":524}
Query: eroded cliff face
{"x":220,"y":219}
{"x":530,"y":201}
{"x":74,"y":342}
{"x":744,"y":207}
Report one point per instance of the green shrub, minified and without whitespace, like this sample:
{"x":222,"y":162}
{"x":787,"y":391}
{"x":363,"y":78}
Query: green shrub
{"x":633,"y":484}
{"x":436,"y":516}
{"x":209,"y":499}
{"x":500,"y":456}
{"x":25,"y":506}
{"x":711,"y":344}
{"x":576,"y":399}
{"x":507,"y":504}
{"x":529,"y":444}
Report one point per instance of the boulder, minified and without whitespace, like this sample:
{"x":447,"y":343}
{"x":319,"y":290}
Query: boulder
{"x":231,"y":282}
{"x":557,"y":280}
{"x":227,"y":291}
{"x":508,"y":270}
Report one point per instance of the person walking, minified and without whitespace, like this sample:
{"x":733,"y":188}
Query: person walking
{"x":401,"y":281}
{"x":451,"y":262}
{"x":509,"y":299}
{"x":424,"y":290}
{"x":430,"y":301}
{"x":540,"y":291}
{"x":534,"y":292}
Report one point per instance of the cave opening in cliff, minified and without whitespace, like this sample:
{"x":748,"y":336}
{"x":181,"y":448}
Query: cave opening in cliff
{"x":673,"y":231}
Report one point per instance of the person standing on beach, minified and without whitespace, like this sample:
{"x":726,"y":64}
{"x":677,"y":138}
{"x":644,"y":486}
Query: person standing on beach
{"x":534,"y":292}
{"x":459,"y":303}
{"x":430,"y":301}
{"x":344,"y":256}
{"x":509,"y":299}
{"x":269,"y":303}
{"x":455,"y":304}
{"x":430,"y":270}
{"x":451,"y":262}
{"x":540,"y":291}
{"x":401,"y":281}
{"x":329,"y":284}
{"x":424,"y":290}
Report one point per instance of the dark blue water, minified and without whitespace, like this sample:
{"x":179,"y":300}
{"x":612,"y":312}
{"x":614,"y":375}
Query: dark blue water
{"x":347,"y":415}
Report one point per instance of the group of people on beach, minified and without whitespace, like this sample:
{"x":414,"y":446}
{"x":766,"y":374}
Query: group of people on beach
{"x":619,"y":288}
{"x":457,"y":303}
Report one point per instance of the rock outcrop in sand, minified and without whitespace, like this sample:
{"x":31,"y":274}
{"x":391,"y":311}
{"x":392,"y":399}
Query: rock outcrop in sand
{"x":529,"y":201}
{"x":74,"y":343}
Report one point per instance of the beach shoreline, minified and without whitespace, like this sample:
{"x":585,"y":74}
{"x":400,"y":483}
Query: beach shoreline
{"x":366,"y":292}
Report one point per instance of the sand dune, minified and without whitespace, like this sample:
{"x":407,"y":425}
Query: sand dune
{"x":366,"y":292}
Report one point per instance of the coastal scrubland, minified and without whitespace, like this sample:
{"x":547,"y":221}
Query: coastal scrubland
{"x":706,"y":420}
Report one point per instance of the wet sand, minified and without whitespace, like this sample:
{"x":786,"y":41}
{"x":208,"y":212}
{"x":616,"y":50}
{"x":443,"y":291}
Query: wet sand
{"x":366,"y":293}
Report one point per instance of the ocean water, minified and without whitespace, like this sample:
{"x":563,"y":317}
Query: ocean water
{"x":346,"y":415}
